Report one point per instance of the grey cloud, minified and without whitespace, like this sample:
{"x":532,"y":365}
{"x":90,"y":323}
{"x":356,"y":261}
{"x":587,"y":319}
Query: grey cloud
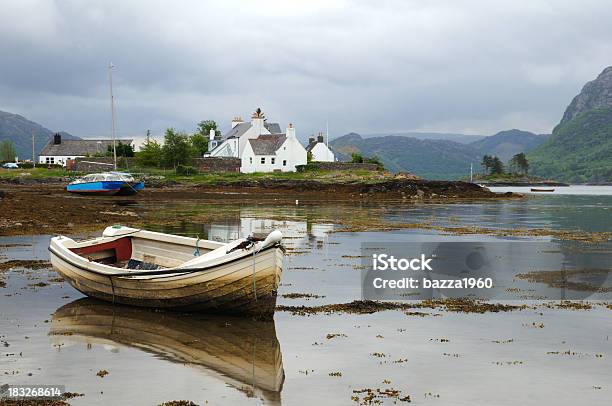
{"x":364,"y":66}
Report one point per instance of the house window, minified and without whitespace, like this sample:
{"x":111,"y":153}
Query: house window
{"x":250,"y":159}
{"x":49,"y":160}
{"x":273,"y":160}
{"x":284,"y":162}
{"x":263,"y":160}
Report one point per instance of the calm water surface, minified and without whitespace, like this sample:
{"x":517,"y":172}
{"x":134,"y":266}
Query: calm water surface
{"x":51,"y":335}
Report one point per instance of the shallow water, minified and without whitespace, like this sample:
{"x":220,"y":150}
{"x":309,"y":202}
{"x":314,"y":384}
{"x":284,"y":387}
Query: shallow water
{"x":558,"y":190}
{"x":438,"y":357}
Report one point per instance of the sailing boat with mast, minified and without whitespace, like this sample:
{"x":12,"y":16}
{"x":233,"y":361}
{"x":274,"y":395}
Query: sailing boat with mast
{"x":107,"y":183}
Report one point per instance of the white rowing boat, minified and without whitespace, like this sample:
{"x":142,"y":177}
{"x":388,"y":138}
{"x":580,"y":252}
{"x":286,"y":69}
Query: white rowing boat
{"x":150,"y":269}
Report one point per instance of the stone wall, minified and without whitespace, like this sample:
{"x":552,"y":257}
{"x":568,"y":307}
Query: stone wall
{"x":216,"y":164}
{"x":338,"y":166}
{"x":101,"y":164}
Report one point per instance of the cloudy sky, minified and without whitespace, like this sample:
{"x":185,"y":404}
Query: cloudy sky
{"x":367,"y":66}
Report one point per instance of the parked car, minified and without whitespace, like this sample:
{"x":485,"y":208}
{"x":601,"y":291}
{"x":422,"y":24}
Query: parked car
{"x":10,"y":165}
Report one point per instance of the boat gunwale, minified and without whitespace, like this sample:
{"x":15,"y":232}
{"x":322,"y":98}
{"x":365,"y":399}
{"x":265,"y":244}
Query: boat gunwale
{"x":169,"y":272}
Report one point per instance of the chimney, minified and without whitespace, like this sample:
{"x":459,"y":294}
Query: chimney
{"x":212,"y":135}
{"x":236,"y":120}
{"x":320,"y":138}
{"x":257,"y":121}
{"x":290,"y":131}
{"x":57,"y":139}
{"x":311,"y":140}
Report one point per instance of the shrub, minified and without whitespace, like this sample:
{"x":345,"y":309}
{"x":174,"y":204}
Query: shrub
{"x":185,"y":170}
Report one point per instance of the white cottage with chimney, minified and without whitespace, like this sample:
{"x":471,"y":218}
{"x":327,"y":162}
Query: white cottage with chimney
{"x":59,"y":151}
{"x":260,"y":146}
{"x":319,"y":150}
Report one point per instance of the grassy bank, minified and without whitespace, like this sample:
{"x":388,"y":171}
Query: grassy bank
{"x":361,"y":176}
{"x":35,"y":173}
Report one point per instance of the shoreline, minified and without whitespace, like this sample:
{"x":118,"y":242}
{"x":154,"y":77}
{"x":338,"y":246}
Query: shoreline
{"x":46,"y":208}
{"x":391,"y":187}
{"x":522,"y":184}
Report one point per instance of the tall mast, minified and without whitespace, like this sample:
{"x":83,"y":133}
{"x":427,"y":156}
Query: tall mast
{"x":327,"y":133}
{"x":112,"y":102}
{"x":33,"y":150}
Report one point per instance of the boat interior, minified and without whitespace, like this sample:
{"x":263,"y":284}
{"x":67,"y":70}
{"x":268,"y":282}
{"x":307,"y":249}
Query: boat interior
{"x":132,"y":252}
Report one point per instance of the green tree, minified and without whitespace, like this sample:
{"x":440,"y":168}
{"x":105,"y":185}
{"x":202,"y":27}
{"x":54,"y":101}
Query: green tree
{"x":176,"y":149}
{"x":7,"y":151}
{"x":487,"y":163}
{"x":497,"y":166}
{"x":199,"y":144}
{"x":375,"y":160}
{"x":150,"y":154}
{"x":124,"y":150}
{"x":356,"y":158}
{"x":519,"y":161}
{"x":205,"y":126}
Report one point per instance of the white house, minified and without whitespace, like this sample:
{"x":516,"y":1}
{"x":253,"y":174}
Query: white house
{"x":260,"y":146}
{"x":273,"y":152}
{"x":59,"y":151}
{"x":319,"y":150}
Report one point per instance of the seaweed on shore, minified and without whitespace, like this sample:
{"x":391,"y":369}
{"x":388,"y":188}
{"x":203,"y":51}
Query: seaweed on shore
{"x":463,"y":305}
{"x":562,"y":279}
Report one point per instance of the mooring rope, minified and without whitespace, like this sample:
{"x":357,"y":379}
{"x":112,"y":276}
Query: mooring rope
{"x":196,"y":253}
{"x":254,"y":278}
{"x":110,"y":278}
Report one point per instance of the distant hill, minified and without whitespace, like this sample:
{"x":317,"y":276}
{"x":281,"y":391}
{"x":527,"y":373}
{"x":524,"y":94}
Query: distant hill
{"x":18,"y":130}
{"x":580,"y":147}
{"x":505,"y":144}
{"x":579,"y":150}
{"x":461,"y":138}
{"x":431,"y":159}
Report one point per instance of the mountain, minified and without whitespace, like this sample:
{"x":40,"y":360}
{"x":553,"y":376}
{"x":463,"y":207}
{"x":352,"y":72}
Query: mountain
{"x":579,"y":150}
{"x":595,"y":94}
{"x":461,"y":138}
{"x":431,"y":159}
{"x":505,"y":144}
{"x":18,"y":130}
{"x":580,"y":147}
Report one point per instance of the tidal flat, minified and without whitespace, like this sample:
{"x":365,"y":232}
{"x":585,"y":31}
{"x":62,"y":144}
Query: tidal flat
{"x":326,"y":345}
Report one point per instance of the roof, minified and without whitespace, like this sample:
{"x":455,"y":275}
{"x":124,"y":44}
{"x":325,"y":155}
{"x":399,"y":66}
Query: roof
{"x":274,"y":128}
{"x":238,"y":130}
{"x":79,"y":147}
{"x":314,"y":143}
{"x":267,"y":144}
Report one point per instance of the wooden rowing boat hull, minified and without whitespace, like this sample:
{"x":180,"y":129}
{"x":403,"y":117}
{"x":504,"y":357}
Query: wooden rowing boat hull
{"x":247,"y":286}
{"x":542,"y":190}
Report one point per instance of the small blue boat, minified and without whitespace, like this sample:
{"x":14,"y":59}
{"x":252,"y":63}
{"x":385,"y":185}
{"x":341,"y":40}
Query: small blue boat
{"x":106,"y":183}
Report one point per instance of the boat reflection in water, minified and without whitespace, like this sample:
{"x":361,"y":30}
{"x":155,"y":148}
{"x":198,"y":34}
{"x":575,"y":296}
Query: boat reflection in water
{"x":243,"y":353}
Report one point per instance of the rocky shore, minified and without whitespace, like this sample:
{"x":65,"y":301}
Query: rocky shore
{"x":34,"y":206}
{"x":414,"y":189}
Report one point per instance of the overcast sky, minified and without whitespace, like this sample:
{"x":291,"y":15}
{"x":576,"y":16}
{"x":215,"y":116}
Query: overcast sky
{"x":474,"y":67}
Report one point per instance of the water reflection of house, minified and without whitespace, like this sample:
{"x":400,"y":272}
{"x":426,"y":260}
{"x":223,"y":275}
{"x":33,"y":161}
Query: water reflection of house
{"x":228,"y":230}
